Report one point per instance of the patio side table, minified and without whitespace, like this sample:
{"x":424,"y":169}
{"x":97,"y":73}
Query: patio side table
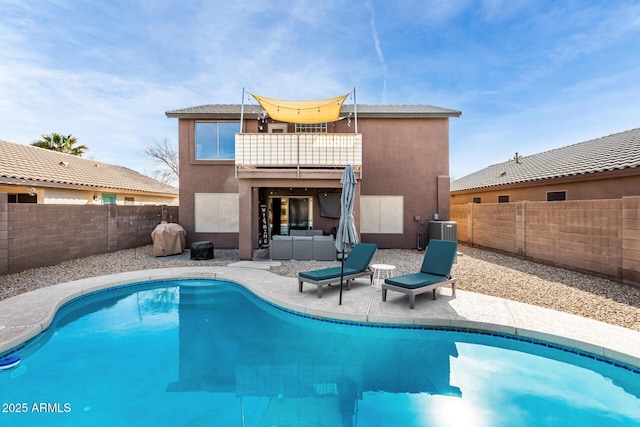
{"x":378,"y":270}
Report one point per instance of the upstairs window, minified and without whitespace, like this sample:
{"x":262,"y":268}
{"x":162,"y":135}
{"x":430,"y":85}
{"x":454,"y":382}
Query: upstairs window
{"x":503,"y":199}
{"x":477,"y":200}
{"x":216,"y":140}
{"x":555,"y":196}
{"x":21,"y":198}
{"x":311,"y":128}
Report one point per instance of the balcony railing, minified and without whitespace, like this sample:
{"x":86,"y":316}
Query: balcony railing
{"x":299,"y":151}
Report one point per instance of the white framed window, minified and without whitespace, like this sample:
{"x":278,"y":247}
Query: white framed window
{"x":216,"y":140}
{"x":555,"y":196}
{"x":311,"y":128}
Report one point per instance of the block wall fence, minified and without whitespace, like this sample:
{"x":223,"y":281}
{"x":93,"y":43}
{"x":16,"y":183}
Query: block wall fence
{"x":600,"y":237}
{"x":38,"y":235}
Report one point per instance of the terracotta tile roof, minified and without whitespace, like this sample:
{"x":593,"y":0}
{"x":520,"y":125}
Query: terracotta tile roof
{"x":37,"y":166}
{"x":229,"y":111}
{"x":617,"y":151}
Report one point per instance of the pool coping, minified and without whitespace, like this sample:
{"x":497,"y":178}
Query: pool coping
{"x":26,"y":315}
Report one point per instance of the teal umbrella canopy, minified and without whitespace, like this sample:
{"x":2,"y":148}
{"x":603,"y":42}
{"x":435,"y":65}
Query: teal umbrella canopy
{"x":346,"y":236}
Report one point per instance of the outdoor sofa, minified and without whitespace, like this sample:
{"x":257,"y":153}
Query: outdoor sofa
{"x":303,"y":247}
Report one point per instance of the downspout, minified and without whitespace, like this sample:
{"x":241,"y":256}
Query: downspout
{"x":355,"y":109}
{"x":241,"y":126}
{"x":242,"y":112}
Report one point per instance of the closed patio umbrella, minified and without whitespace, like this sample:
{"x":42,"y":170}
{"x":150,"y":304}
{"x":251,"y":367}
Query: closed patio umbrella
{"x":346,"y":237}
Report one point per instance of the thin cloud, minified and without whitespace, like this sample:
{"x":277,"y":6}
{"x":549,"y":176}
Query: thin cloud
{"x":376,"y":43}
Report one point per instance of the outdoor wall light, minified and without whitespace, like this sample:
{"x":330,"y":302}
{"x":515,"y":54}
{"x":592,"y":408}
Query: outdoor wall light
{"x":96,"y":197}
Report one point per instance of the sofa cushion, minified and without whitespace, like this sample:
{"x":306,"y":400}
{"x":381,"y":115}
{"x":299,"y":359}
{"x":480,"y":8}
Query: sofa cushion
{"x":279,"y":237}
{"x":321,"y":238}
{"x":327,"y":273}
{"x":415,"y":280}
{"x":305,"y":232}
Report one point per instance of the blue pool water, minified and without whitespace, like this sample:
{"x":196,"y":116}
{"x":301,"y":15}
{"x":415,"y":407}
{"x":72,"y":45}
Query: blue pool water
{"x":209,"y":353}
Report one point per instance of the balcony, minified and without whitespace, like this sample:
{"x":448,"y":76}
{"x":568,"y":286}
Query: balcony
{"x":297,"y":155}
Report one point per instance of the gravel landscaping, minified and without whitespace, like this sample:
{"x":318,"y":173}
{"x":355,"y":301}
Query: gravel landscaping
{"x":476,"y":270}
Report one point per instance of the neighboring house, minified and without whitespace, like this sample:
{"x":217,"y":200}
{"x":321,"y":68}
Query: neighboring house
{"x":35,"y":175}
{"x":241,"y":185}
{"x":603,"y":168}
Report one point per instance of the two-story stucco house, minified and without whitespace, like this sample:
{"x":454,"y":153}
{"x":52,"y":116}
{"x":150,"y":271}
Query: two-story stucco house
{"x":247,"y":174}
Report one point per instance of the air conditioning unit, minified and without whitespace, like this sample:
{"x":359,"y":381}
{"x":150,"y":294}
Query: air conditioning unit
{"x":443,"y":230}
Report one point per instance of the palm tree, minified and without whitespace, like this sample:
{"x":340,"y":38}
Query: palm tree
{"x":61,"y":143}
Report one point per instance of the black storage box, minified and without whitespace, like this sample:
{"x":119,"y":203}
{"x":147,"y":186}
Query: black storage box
{"x":202,"y":250}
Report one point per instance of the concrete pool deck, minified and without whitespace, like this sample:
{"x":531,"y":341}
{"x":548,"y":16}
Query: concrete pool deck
{"x":26,"y":315}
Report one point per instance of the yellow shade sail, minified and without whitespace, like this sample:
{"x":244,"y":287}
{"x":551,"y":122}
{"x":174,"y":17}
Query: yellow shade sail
{"x":305,"y":112}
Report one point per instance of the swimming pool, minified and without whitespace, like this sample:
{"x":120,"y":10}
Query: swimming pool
{"x":205,"y":352}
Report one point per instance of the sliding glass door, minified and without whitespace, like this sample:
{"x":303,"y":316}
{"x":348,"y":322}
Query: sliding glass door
{"x":290,"y":213}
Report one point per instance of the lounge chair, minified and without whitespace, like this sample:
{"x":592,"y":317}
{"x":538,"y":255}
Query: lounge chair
{"x":435,"y":272}
{"x":356,"y":265}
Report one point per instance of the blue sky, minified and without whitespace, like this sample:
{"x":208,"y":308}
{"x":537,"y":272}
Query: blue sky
{"x":528,"y":76}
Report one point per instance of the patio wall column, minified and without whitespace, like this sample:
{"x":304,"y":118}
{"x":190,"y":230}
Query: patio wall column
{"x":521,"y":228}
{"x":444,"y":184}
{"x":630,"y":252}
{"x":4,"y":233}
{"x":112,"y":227}
{"x":245,"y":220}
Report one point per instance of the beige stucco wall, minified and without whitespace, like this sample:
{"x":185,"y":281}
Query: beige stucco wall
{"x":67,"y":196}
{"x":602,"y":185}
{"x":145,"y":199}
{"x":62,"y":196}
